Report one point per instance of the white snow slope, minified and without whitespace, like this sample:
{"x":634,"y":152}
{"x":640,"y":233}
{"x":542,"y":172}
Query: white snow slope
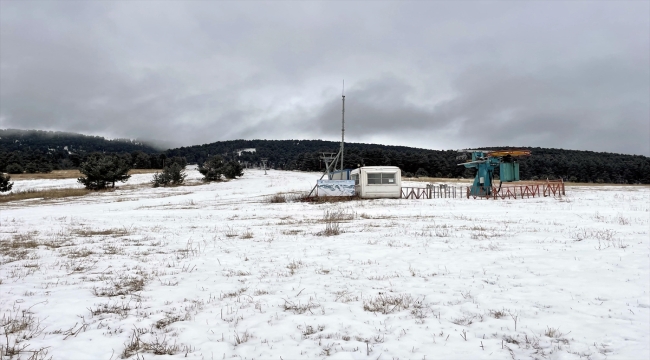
{"x":216,"y":271}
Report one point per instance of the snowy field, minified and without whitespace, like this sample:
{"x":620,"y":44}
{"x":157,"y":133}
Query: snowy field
{"x":217,"y":271}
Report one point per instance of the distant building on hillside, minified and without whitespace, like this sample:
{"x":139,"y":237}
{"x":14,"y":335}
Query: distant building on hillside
{"x":250,"y":150}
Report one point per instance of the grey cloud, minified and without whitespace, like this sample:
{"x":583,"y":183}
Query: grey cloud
{"x":432,"y":75}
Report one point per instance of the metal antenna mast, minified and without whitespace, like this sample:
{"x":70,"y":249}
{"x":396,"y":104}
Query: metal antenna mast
{"x":329,"y":158}
{"x":343,"y":123}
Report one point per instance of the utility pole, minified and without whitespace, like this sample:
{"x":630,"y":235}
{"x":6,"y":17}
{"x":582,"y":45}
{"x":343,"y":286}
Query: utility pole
{"x":264,"y":160}
{"x":343,"y":124}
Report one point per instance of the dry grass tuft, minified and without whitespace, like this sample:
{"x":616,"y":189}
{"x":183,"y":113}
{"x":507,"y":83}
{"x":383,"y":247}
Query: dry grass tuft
{"x":386,"y":303}
{"x":111,"y":308}
{"x":498,"y":314}
{"x":144,"y":340}
{"x":17,"y":328}
{"x":277,"y":199}
{"x":298,"y":308}
{"x":170,"y":319}
{"x":123,"y":286}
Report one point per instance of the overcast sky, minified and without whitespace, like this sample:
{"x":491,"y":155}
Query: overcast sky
{"x":437,"y":75}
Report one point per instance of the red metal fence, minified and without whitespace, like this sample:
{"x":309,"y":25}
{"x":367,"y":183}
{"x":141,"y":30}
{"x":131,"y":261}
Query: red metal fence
{"x":510,"y":191}
{"x":519,"y":191}
{"x":431,"y":191}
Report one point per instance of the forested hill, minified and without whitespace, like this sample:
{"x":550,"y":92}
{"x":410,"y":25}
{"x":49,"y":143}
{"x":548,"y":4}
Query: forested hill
{"x":42,"y":151}
{"x":571,"y":165}
{"x":44,"y":141}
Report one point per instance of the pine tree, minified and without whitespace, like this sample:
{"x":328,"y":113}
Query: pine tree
{"x":5,"y":185}
{"x":102,"y":170}
{"x":233,"y":170}
{"x":212,"y":169}
{"x":171,"y":175}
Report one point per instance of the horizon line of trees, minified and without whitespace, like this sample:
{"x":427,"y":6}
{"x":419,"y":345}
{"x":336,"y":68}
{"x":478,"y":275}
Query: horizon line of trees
{"x":569,"y":165}
{"x":26,"y":154}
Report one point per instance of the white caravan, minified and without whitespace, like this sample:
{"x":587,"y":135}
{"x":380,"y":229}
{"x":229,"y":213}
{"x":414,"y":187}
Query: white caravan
{"x":377,"y":181}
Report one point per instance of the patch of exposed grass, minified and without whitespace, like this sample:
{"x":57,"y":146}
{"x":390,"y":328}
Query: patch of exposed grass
{"x":328,"y":199}
{"x":43,"y":194}
{"x":69,"y":174}
{"x":17,"y":247}
{"x":126,"y":285}
{"x":276,"y":199}
{"x":86,"y":232}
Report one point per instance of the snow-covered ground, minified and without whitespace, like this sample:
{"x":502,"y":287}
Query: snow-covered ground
{"x":216,"y":271}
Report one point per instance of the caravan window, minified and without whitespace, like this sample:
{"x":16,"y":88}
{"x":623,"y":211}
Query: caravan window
{"x":381,"y":178}
{"x":388,"y":178}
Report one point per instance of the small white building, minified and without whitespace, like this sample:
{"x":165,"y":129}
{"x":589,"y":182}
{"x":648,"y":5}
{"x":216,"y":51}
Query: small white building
{"x":377,"y":181}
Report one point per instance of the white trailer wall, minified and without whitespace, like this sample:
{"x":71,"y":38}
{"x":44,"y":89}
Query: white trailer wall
{"x":377,"y":181}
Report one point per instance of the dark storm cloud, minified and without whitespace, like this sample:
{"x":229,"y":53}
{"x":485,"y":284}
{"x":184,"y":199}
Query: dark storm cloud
{"x":432,"y":75}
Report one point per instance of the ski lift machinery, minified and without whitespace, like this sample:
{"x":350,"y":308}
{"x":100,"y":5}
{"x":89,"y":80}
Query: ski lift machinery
{"x":486,"y":161}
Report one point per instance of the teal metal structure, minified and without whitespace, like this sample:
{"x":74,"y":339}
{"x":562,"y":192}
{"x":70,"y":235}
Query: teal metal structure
{"x":486,"y":161}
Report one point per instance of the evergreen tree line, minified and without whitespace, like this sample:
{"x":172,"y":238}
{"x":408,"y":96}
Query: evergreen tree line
{"x":100,"y":171}
{"x":43,"y":151}
{"x":45,"y":141}
{"x":35,"y":151}
{"x":34,"y":161}
{"x":569,"y":165}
